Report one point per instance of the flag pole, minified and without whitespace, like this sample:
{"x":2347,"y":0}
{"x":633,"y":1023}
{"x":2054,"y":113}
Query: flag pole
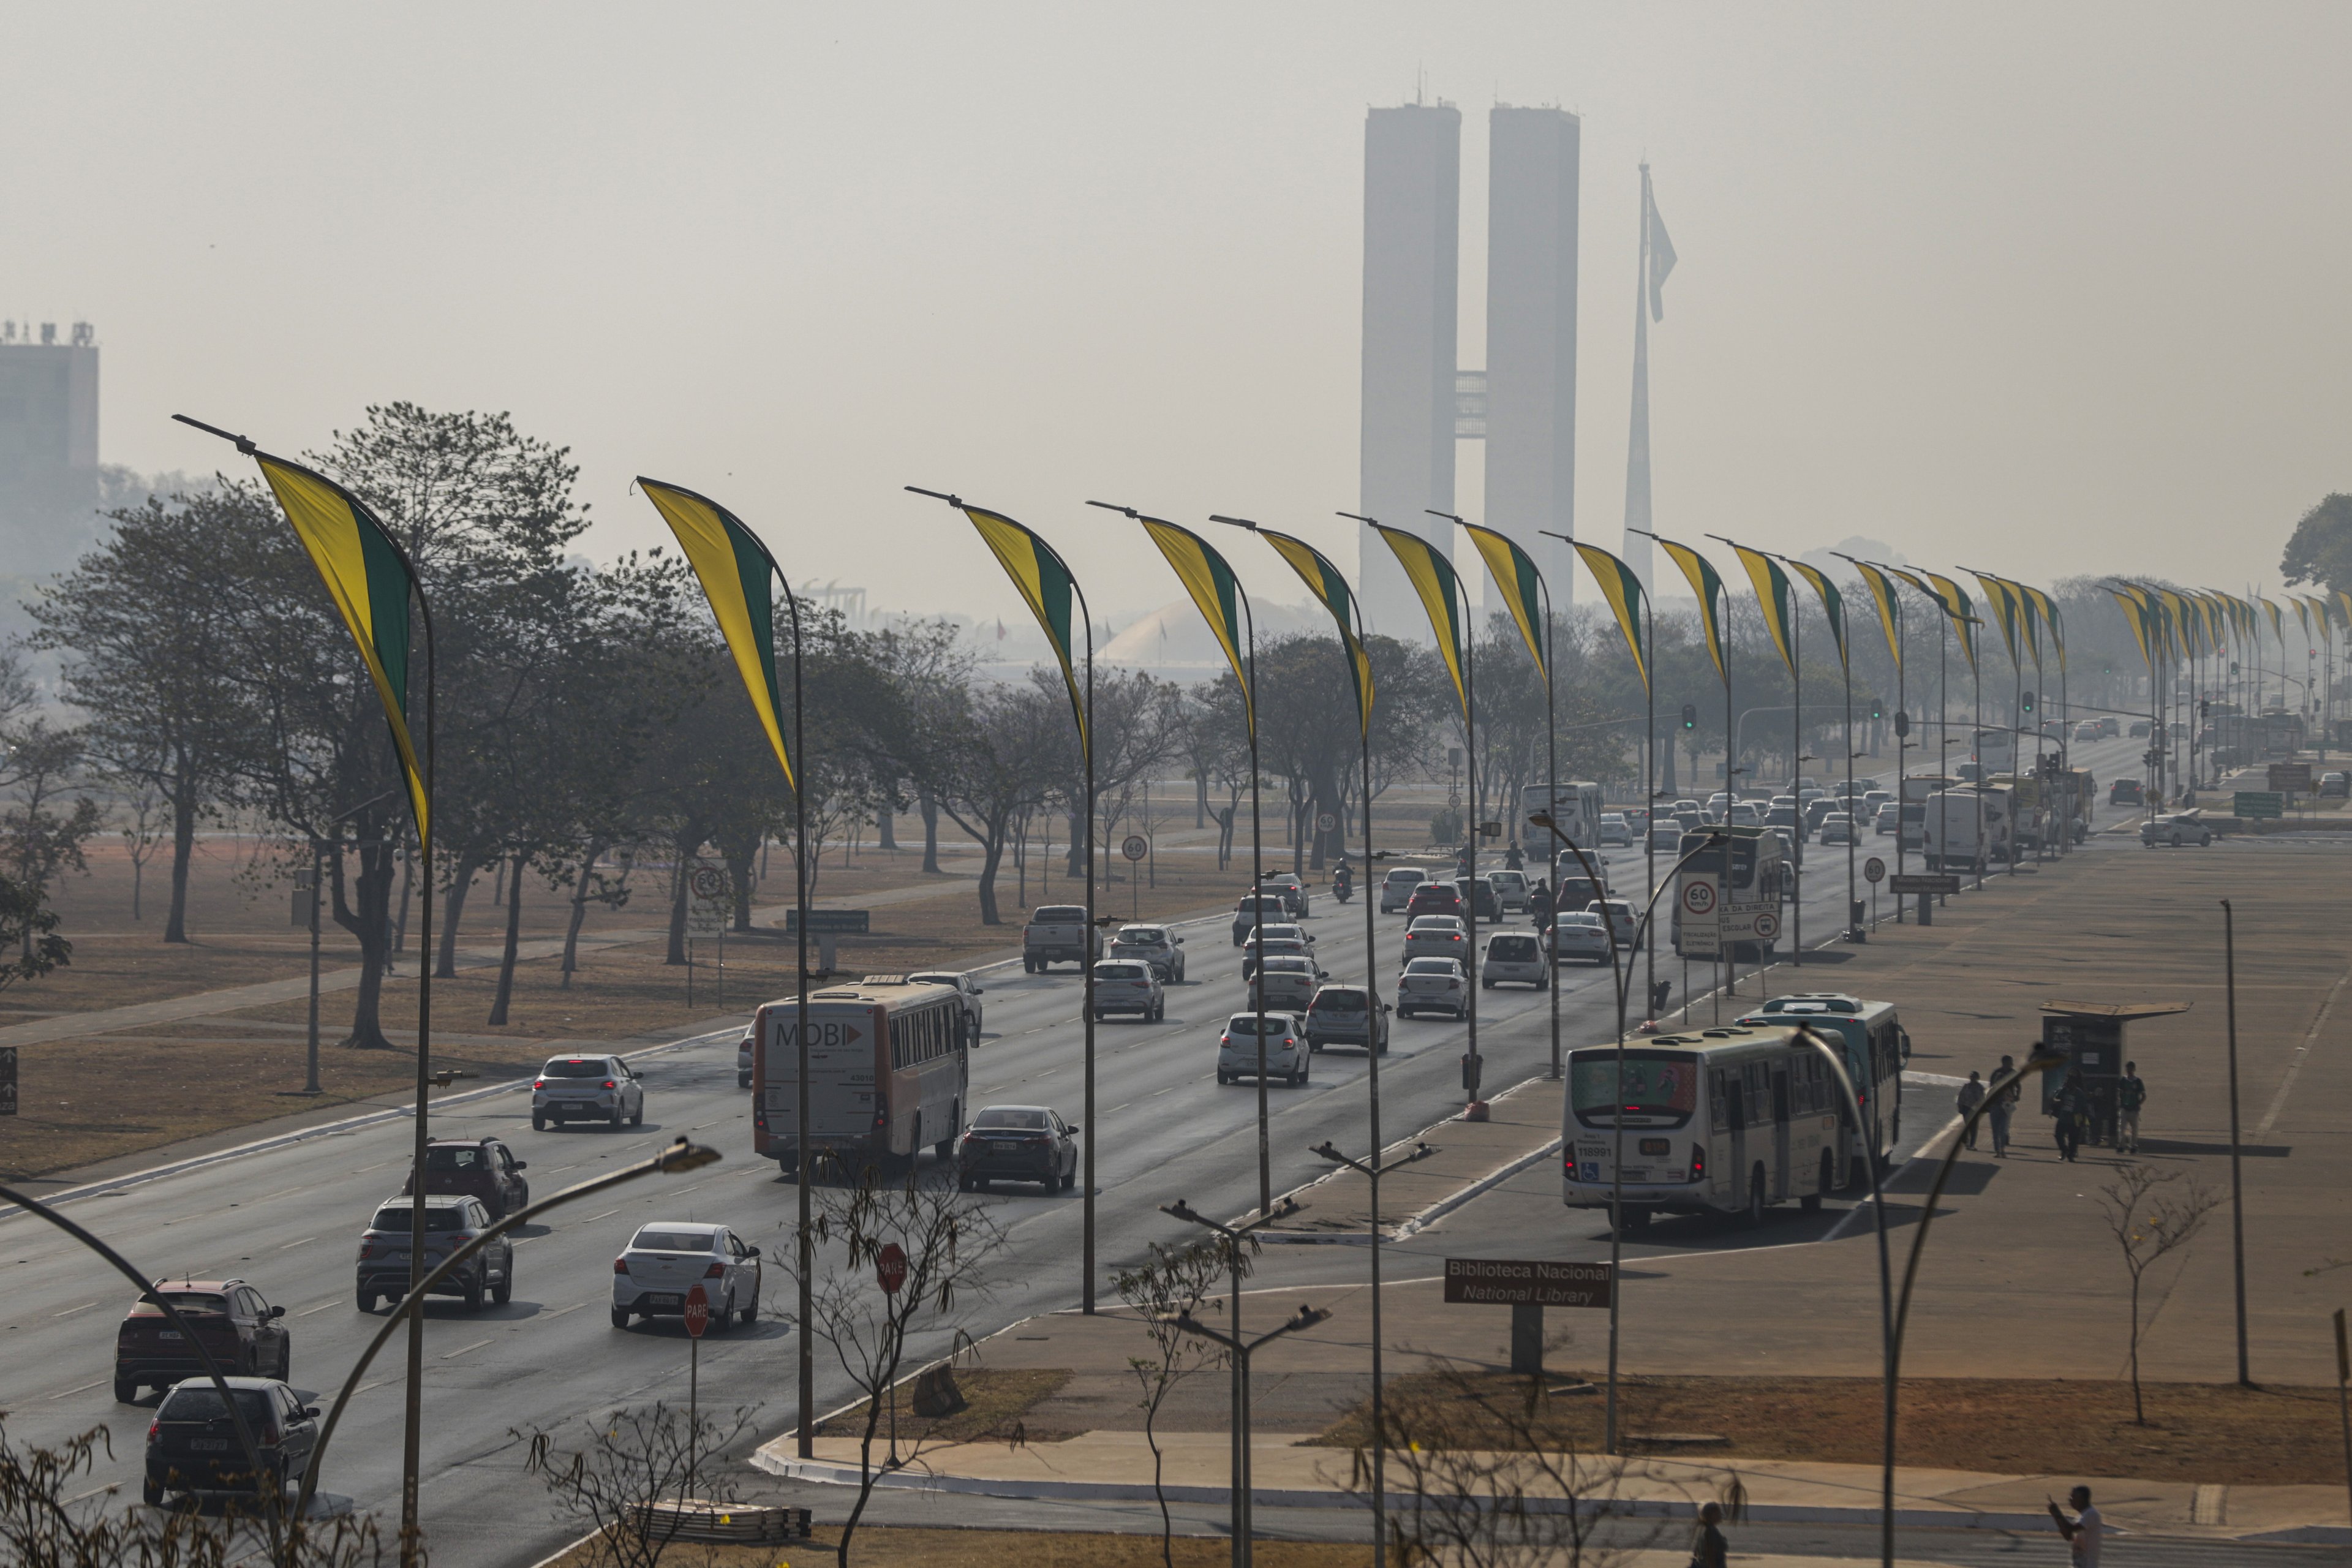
{"x":1473,"y":1073}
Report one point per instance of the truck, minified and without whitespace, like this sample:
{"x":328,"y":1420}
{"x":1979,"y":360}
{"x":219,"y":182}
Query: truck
{"x":1058,"y":934}
{"x":1948,"y":824}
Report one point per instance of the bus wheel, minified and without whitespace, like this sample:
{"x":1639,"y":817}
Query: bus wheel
{"x":1755,"y":1195}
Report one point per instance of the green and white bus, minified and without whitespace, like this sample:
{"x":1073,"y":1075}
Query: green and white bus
{"x":1728,"y":1120}
{"x":1876,"y":1048}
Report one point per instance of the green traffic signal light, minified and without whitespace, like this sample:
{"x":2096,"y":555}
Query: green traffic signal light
{"x":1690,"y":716}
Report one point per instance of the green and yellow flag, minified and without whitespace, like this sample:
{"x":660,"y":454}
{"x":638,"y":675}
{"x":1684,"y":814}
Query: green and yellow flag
{"x":2177,"y":617}
{"x":2135,"y":616}
{"x":1832,"y":603}
{"x":371,"y":580}
{"x":1432,"y":577}
{"x":738,"y":577}
{"x":2301,"y":603}
{"x":2343,"y":606}
{"x":1515,"y":574}
{"x":1708,"y":585}
{"x":1773,"y":597}
{"x":1046,"y":588}
{"x":1881,"y":584}
{"x":1958,"y":608}
{"x":1331,"y":590}
{"x":2048,"y":611}
{"x":1623,"y":592}
{"x":1210,"y":581}
{"x":2005,"y":605}
{"x":2278,"y":624}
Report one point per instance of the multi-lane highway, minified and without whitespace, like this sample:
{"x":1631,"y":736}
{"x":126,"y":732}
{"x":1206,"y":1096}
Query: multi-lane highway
{"x":287,"y":1220}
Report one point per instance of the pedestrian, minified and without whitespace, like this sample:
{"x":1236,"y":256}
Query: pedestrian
{"x":2130,"y":1095}
{"x":2069,"y":1111}
{"x":2081,"y":1531}
{"x":2004,"y":1105}
{"x":1972,"y":1095}
{"x":1708,"y":1549}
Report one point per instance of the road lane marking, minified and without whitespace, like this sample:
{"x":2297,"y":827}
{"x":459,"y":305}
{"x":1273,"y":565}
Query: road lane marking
{"x":592,"y":1218}
{"x":69,"y":1312}
{"x":84,"y":1496}
{"x":1115,"y":1110}
{"x":461,"y":1350}
{"x":292,"y":1244}
{"x":319,"y":1308}
{"x":560,"y":1310}
{"x":85,"y":1388}
{"x":1169,"y":1089}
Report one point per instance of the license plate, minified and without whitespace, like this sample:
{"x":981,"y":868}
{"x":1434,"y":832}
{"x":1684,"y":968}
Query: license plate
{"x":661,"y":1301}
{"x":1654,"y":1145}
{"x":169,"y":1335}
{"x":208,"y":1445}
{"x":1005,"y":1148}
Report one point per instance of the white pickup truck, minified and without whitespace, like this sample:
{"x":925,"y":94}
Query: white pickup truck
{"x":1058,"y":934}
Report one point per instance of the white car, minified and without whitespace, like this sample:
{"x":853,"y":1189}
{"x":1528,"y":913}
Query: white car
{"x":670,"y":1258}
{"x":1580,"y":935}
{"x":968,"y":992}
{"x":1290,"y":983}
{"x":744,"y":1047}
{"x":1513,"y":956}
{"x":1619,"y":913}
{"x":1837,"y":827}
{"x":1297,"y":933}
{"x":1398,"y":886}
{"x":1510,"y":889}
{"x":1285,"y":1048}
{"x":1433,"y":986}
{"x":1666,"y":836}
{"x":2182,"y":827}
{"x":1124,"y":987}
{"x":1614,"y":829}
{"x":588,"y":1089}
{"x":1437,"y":936}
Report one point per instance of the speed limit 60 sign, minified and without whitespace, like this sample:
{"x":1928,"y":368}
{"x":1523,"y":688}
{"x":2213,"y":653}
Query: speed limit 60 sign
{"x":1874,"y":870}
{"x":1698,"y":898}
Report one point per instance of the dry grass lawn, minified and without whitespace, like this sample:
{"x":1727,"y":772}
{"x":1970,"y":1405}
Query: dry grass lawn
{"x":880,"y":1546}
{"x":995,"y":1402}
{"x":2210,"y":1433}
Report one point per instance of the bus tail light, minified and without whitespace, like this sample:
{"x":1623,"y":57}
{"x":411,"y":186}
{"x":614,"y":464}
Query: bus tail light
{"x":1698,"y":1162}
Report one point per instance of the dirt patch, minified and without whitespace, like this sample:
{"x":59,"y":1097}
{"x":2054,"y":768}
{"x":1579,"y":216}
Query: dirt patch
{"x":2215,"y":1433}
{"x":882,"y":1546}
{"x":996,"y":1400}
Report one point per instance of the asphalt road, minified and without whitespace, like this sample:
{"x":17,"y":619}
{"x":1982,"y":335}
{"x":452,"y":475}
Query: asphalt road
{"x":287,"y":1220}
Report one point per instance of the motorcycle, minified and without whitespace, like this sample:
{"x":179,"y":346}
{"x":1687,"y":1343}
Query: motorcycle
{"x":1342,"y":885}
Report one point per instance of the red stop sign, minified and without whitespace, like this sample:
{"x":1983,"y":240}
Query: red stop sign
{"x":697,"y":1311}
{"x":890,"y":1267}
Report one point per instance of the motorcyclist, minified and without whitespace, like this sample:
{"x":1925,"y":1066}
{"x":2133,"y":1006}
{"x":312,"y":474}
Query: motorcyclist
{"x":1343,"y":881}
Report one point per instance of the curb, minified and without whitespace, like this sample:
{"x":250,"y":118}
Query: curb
{"x":324,"y":1130}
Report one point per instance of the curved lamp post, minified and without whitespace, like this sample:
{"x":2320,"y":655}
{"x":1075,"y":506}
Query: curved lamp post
{"x":679,"y":1156}
{"x":148,"y":1292}
{"x":1622,"y":964}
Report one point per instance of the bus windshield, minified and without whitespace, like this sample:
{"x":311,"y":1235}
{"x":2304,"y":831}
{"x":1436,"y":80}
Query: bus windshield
{"x":1708,"y":862}
{"x":1657,"y":1084}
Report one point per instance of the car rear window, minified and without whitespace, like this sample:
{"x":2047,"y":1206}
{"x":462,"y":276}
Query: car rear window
{"x":205,"y":1404}
{"x":1119,"y":972}
{"x":1430,"y":966}
{"x":1403,"y":876}
{"x":1511,"y":947}
{"x":450,"y":1218}
{"x":1278,"y":965}
{"x":1338,"y":1002}
{"x":185,"y":1300}
{"x":1141,"y":936}
{"x":1435,"y":922}
{"x":447,"y":1159}
{"x":572,"y":1066}
{"x":654,"y":1238}
{"x":1058,"y":914}
{"x":1246,"y":1024}
{"x":1012,"y":1119}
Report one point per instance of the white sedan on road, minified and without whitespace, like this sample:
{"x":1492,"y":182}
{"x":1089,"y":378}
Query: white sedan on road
{"x":668,"y":1258}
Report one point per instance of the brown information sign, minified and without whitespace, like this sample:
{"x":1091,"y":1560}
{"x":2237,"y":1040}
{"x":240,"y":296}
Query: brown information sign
{"x":1495,"y":1283}
{"x":2290,"y":778}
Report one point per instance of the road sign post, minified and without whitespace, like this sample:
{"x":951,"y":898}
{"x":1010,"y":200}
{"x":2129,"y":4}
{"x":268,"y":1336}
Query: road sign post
{"x":2253,"y":804}
{"x":825,"y":925}
{"x":1926,"y":885}
{"x":1528,"y":1289}
{"x":1874,"y":871}
{"x":890,"y":1273}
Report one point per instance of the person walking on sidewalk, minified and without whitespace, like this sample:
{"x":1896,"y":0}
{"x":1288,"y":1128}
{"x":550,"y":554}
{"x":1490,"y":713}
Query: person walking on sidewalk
{"x":2069,"y":1111}
{"x":2004,"y":1104}
{"x":2081,"y":1531}
{"x":2130,"y":1095}
{"x":1708,"y":1549}
{"x":1972,"y":1095}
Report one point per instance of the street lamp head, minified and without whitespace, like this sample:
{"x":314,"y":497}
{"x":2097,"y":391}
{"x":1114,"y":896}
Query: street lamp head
{"x":1236,"y":522}
{"x":1309,"y":1315}
{"x":1109,"y":506}
{"x":685,"y":1156}
{"x":936,"y":495}
{"x":1360,"y":517}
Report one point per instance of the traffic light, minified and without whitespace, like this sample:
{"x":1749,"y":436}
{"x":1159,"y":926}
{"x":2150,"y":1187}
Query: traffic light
{"x":1875,"y":706}
{"x":2028,"y":701}
{"x":1690,"y":715}
{"x":1902,"y":725}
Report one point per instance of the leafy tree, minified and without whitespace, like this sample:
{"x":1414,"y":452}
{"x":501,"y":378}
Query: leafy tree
{"x":29,"y":926}
{"x":41,"y":833}
{"x":2320,"y":548}
{"x":999,"y":746}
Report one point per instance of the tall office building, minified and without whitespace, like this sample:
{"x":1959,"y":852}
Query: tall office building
{"x":1531,"y":424}
{"x":48,"y":446}
{"x":1412,"y":198}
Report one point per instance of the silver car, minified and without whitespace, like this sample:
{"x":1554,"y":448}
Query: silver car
{"x":1615,"y":830}
{"x":1128,"y":987}
{"x":1888,"y":820}
{"x":1433,"y":986}
{"x":1666,"y":836}
{"x":588,"y":1089}
{"x":670,"y":1258}
{"x":1837,"y":827}
{"x":1437,"y":936}
{"x":2182,"y":827}
{"x":1580,"y":935}
{"x":1155,"y":945}
{"x":1619,"y":913}
{"x":1510,"y":890}
{"x":1282,"y":948}
{"x":1286,"y":1052}
{"x":1297,"y":933}
{"x":1290,"y":983}
{"x":1398,"y":886}
{"x":1515,"y":957}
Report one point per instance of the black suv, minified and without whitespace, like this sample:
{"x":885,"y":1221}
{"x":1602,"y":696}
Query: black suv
{"x":242,"y":1332}
{"x":192,"y":1448}
{"x":480,"y":1168}
{"x":450,"y":1221}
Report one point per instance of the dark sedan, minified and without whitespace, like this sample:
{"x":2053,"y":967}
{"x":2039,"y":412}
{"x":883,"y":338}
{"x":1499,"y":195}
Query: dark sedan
{"x":1018,"y":1143}
{"x":193,"y":1450}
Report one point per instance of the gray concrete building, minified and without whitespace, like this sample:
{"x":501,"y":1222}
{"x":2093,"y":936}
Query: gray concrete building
{"x":48,"y":446}
{"x":1412,"y":198}
{"x":1530,"y":380}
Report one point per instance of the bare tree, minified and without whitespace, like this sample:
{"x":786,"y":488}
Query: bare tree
{"x":1174,"y":1282}
{"x":943,"y":1242}
{"x":2150,"y":1218}
{"x":145,"y":809}
{"x":628,"y":1460}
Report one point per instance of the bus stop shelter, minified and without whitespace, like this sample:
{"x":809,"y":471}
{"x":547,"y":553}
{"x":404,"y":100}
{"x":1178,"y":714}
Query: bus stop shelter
{"x":2090,"y":1037}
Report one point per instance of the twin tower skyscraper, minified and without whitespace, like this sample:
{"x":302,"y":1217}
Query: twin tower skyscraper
{"x":1418,"y":401}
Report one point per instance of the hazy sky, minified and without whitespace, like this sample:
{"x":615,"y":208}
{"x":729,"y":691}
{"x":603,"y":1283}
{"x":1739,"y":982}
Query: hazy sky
{"x":2039,"y":289}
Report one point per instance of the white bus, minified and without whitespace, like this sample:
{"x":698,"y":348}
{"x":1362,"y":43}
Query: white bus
{"x":1876,"y":1049}
{"x":1575,"y":811}
{"x":1728,"y":1121}
{"x":889,"y":1071}
{"x":1749,"y":895}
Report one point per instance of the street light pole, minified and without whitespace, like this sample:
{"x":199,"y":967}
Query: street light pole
{"x":1242,"y":1349}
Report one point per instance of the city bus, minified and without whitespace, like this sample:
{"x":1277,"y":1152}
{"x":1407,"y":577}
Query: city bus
{"x":1749,"y":919}
{"x":1575,"y":810}
{"x":889,"y":1071}
{"x":1728,"y":1120}
{"x":1876,"y":1049}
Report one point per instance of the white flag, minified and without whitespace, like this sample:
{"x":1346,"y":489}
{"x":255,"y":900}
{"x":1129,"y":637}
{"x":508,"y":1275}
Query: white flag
{"x":1662,"y":254}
